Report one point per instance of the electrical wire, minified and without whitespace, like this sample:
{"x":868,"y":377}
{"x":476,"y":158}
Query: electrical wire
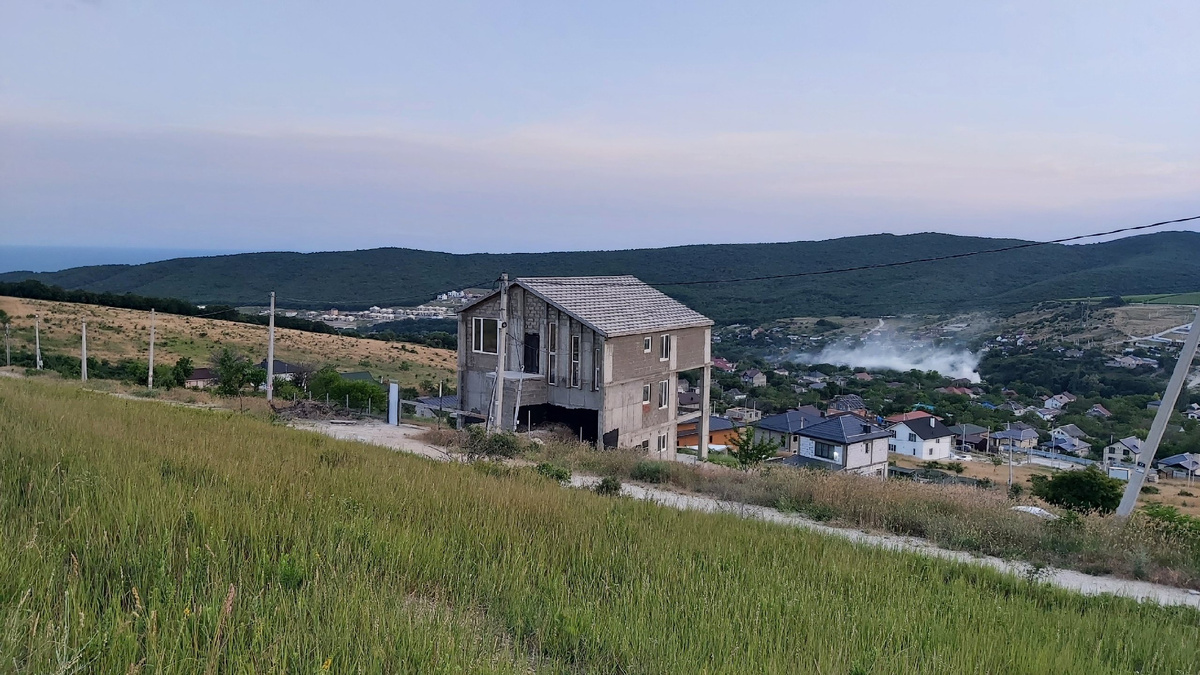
{"x":953,"y":256}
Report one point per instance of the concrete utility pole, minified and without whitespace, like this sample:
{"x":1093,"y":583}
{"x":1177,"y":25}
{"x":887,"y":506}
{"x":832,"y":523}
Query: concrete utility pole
{"x":7,"y":353}
{"x":702,"y":424}
{"x":83,"y":354}
{"x":271,"y":351}
{"x":496,"y":420}
{"x":150,"y":378}
{"x":37,"y":342}
{"x":1142,"y":463}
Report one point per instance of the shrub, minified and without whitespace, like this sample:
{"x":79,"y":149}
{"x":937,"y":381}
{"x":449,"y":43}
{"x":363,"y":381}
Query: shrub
{"x":723,"y":459}
{"x":650,"y":472}
{"x":480,"y":444}
{"x":1150,"y":490}
{"x":1015,"y":491}
{"x":554,"y":472}
{"x":1084,"y":491}
{"x":609,"y":486}
{"x":956,"y":467}
{"x":1185,"y":493}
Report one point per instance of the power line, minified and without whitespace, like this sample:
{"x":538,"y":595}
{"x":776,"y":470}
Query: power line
{"x":953,"y":256}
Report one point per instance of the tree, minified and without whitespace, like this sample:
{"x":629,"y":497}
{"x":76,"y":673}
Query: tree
{"x":1083,"y":491}
{"x":182,"y":371}
{"x":749,"y":450}
{"x":232,"y":370}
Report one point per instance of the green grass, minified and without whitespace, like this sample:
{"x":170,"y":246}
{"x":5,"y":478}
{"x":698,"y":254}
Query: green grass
{"x":127,"y":523}
{"x":1166,"y":299}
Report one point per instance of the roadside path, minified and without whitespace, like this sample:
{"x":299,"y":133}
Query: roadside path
{"x":402,"y":438}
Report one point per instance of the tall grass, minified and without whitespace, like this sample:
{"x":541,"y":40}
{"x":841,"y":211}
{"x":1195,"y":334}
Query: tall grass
{"x":953,"y":516}
{"x":139,"y":536}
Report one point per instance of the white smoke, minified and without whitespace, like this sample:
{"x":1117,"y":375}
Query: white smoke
{"x":951,"y":362}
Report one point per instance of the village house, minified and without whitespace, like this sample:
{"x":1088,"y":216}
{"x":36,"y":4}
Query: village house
{"x":926,"y":438}
{"x":201,"y":378}
{"x":1068,"y":440}
{"x":1099,"y":412}
{"x":1180,"y":466}
{"x":784,"y":428}
{"x":969,"y":437}
{"x":1193,"y":411}
{"x":430,"y":406}
{"x":283,"y":370}
{"x":721,"y":432}
{"x":723,"y":365}
{"x":848,"y":403}
{"x":600,"y":355}
{"x":743,"y":415}
{"x":755,"y":378}
{"x":1125,"y":451}
{"x":1017,"y":435}
{"x":843,"y":443}
{"x":1059,"y":401}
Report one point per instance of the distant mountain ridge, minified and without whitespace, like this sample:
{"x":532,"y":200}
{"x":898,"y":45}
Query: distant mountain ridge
{"x":1164,"y":262}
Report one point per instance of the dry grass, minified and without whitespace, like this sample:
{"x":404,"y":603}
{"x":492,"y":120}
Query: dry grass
{"x":165,"y":539}
{"x":116,"y":334}
{"x":952,"y":516}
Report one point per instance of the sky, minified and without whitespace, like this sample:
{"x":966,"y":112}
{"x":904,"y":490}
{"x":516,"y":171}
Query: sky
{"x":534,"y":126}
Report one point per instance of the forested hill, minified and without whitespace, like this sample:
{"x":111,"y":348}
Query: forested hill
{"x":1164,"y":262}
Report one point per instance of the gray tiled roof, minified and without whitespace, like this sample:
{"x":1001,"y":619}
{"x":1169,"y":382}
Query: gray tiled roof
{"x":615,"y":306}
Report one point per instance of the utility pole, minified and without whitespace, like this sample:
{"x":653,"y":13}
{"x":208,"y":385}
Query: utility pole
{"x":83,"y":354}
{"x":7,"y":353}
{"x":497,"y":416}
{"x":1161,"y":419}
{"x":150,"y":378}
{"x":37,"y":341}
{"x":271,"y":351}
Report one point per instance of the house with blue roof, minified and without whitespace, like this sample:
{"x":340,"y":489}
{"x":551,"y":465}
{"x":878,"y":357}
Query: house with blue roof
{"x":843,"y":443}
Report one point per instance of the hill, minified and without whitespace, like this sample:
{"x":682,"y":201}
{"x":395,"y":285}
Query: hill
{"x":116,"y":334}
{"x":181,"y":540}
{"x":1165,"y":262}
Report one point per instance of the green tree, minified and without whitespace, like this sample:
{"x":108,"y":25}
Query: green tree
{"x":750,"y":450}
{"x":1083,"y":491}
{"x":182,"y":371}
{"x":232,"y":370}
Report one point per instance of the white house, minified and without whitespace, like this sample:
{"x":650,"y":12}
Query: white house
{"x":846,"y":443}
{"x":926,"y":438}
{"x":1193,"y":411}
{"x":1125,"y":450}
{"x":1059,"y":401}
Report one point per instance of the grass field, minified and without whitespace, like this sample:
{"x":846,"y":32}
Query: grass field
{"x":116,"y":334}
{"x":1166,"y":299}
{"x":141,"y":537}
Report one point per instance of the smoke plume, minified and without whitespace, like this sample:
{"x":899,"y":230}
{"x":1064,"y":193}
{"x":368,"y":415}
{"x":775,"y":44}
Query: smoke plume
{"x":951,"y":362}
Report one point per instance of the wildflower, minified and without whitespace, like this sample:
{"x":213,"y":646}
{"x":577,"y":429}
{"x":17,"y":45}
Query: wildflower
{"x":187,"y":611}
{"x":327,"y":664}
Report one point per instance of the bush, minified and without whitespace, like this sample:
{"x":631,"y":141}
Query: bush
{"x":1084,"y":491}
{"x":650,"y":472}
{"x":1150,"y":490}
{"x":554,"y":472}
{"x":1185,"y":493}
{"x":609,"y":486}
{"x":482,"y":445}
{"x":723,"y":459}
{"x":1015,"y":491}
{"x":956,"y":467}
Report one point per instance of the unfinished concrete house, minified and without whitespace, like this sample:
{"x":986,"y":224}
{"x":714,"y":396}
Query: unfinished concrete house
{"x":600,"y":355}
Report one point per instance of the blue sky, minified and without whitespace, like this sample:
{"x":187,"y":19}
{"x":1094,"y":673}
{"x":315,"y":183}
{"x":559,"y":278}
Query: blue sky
{"x":543,"y":126}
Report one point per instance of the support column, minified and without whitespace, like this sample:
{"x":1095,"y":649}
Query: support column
{"x":702,"y":423}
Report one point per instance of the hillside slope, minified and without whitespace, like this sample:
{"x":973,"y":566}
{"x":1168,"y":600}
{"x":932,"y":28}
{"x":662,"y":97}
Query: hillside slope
{"x":1164,"y":262}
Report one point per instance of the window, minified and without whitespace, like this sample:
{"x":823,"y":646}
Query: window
{"x":891,"y":448}
{"x":575,"y":363}
{"x":646,"y":394}
{"x":825,"y":450}
{"x":647,"y":343}
{"x":646,"y":446}
{"x":912,"y":438}
{"x":552,"y":353}
{"x":662,"y":442}
{"x":664,"y":348}
{"x":664,"y":393}
{"x":595,"y":370}
{"x":486,"y":335}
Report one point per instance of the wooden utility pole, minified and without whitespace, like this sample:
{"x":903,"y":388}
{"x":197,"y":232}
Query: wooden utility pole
{"x":83,"y":354}
{"x":150,"y":378}
{"x":1161,"y":419}
{"x":37,"y":341}
{"x":497,"y":416}
{"x":271,"y":351}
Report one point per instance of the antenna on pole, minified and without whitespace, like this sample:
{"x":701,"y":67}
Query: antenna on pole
{"x":37,"y":341}
{"x":83,"y":354}
{"x":150,"y":377}
{"x":1161,"y":419}
{"x":271,"y":351}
